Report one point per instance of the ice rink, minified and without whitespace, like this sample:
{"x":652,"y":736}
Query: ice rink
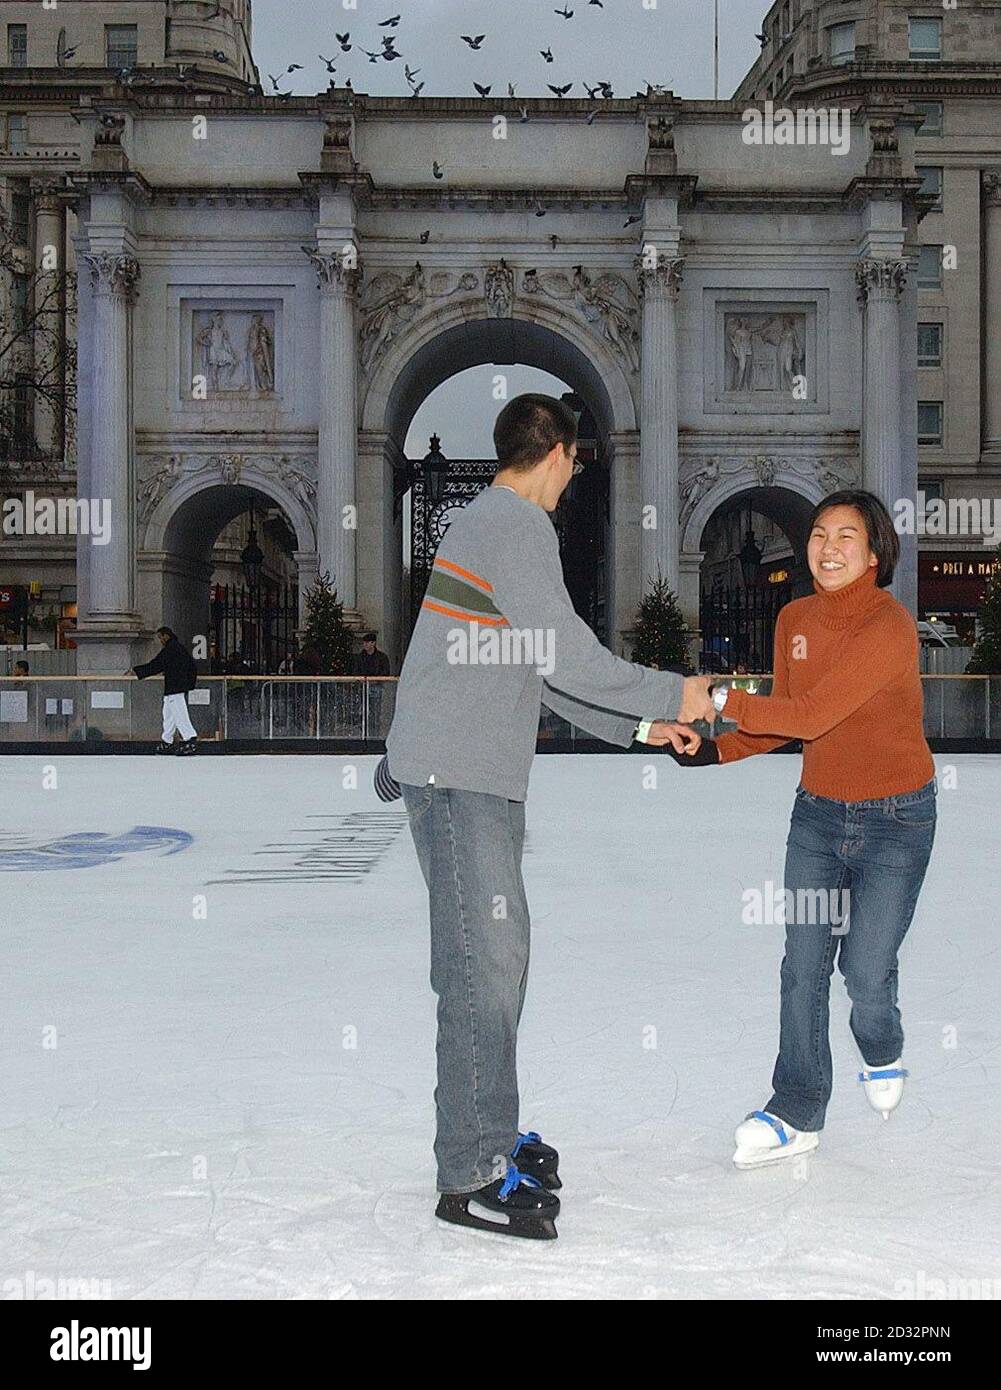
{"x":217,"y":1042}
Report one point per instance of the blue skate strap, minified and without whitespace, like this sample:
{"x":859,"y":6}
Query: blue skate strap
{"x":883,"y":1074}
{"x":530,"y":1138}
{"x":770,"y":1120}
{"x":515,"y":1179}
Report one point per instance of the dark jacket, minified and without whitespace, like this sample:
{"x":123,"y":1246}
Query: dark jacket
{"x":177,"y":666}
{"x":375,"y":665}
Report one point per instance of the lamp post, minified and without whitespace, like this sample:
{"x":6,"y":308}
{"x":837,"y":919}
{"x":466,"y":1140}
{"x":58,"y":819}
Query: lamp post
{"x":435,"y":469}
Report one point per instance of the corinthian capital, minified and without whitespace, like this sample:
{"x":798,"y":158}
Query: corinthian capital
{"x":336,"y":274}
{"x":883,"y":278}
{"x":663,"y":277}
{"x":117,"y":275}
{"x":992,"y":188}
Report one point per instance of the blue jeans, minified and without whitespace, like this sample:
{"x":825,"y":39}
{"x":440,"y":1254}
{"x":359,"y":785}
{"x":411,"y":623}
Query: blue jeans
{"x":878,"y":851}
{"x":469,"y":846}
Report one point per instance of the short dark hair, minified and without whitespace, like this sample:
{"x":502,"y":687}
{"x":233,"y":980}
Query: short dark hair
{"x":881,"y":533}
{"x":168,"y":630}
{"x":27,"y":668}
{"x":368,"y":637}
{"x":529,"y":427}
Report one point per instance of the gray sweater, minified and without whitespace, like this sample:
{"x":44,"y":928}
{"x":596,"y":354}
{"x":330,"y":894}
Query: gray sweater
{"x":496,"y":638}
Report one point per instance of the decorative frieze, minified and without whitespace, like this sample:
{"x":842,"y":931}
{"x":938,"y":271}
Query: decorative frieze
{"x":159,"y":474}
{"x":606,"y":302}
{"x":699,"y":475}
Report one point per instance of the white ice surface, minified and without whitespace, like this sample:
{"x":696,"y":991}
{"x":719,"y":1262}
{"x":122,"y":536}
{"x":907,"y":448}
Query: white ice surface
{"x":201,"y":1130}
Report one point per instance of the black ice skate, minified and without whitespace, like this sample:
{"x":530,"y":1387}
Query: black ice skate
{"x":515,"y":1205}
{"x":163,"y":747}
{"x":536,"y":1159}
{"x":187,"y":747}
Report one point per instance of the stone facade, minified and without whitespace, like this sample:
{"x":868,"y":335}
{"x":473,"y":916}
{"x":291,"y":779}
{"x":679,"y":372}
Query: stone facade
{"x":739,"y":320}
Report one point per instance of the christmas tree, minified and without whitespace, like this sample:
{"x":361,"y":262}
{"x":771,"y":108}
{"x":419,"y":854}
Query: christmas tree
{"x":325,"y":630}
{"x":660,"y":632}
{"x":986,"y":658}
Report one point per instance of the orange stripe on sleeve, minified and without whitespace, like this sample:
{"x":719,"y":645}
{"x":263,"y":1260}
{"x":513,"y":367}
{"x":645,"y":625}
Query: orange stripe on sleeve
{"x":466,"y":574}
{"x":465,"y":617}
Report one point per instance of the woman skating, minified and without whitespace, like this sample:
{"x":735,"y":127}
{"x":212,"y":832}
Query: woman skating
{"x":846,"y":682}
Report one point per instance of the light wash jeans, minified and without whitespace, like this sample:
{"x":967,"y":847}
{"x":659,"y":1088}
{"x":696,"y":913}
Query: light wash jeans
{"x":469,"y":846}
{"x":878,"y":850}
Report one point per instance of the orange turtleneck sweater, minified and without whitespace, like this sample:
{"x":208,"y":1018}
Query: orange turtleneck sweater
{"x":846,"y":682}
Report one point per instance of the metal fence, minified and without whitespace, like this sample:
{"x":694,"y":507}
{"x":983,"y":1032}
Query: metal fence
{"x":74,"y":709}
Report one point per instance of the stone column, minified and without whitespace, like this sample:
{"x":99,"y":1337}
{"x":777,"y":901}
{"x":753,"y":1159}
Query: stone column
{"x":659,"y":423}
{"x":338,"y":442}
{"x":49,"y":328}
{"x":110,"y":603}
{"x":881,"y":284}
{"x":991,"y":391}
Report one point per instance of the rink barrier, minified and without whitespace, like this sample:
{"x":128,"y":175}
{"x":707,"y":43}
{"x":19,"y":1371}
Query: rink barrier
{"x":330,"y":713}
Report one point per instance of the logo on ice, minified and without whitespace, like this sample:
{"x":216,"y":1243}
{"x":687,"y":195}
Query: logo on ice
{"x":507,"y":646}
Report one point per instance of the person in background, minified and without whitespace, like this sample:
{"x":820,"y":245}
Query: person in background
{"x":846,"y":682}
{"x":180,"y":674}
{"x":371,"y":662}
{"x":21,"y":668}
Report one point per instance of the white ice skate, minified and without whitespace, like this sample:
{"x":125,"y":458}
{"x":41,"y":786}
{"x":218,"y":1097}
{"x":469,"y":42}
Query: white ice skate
{"x":884,"y":1086}
{"x":764,"y":1138}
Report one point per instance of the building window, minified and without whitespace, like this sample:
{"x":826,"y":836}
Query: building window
{"x":932,"y":176}
{"x":929,"y":422}
{"x":21,"y":409}
{"x":121,"y":45}
{"x":929,"y":345}
{"x":925,"y":40}
{"x":933,"y":114}
{"x":20,"y":290}
{"x":20,"y":210}
{"x":841,"y":43}
{"x":786,"y":19}
{"x":17,"y":45}
{"x":17,"y":132}
{"x":930,"y":268}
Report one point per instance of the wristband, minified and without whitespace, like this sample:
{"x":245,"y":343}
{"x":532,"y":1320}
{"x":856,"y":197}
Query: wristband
{"x":643,"y":730}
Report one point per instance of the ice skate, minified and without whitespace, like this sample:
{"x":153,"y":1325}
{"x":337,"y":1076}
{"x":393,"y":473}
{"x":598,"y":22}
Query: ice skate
{"x":515,"y":1205}
{"x":884,"y":1086}
{"x":537,"y":1160}
{"x":764,"y":1138}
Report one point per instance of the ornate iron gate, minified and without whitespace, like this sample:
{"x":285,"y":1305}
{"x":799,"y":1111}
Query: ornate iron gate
{"x":580,"y":521}
{"x":429,"y":521}
{"x":738,"y":626}
{"x":255,"y":627}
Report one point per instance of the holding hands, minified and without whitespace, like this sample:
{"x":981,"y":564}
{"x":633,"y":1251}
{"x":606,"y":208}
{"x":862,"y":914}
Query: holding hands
{"x":680,"y":741}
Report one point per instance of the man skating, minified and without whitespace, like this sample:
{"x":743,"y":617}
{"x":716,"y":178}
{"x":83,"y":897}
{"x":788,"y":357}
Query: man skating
{"x":497,"y":637}
{"x":180,"y":674}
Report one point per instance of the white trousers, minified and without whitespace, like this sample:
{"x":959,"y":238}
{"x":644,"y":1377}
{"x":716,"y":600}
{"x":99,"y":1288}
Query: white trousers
{"x":176,"y":717}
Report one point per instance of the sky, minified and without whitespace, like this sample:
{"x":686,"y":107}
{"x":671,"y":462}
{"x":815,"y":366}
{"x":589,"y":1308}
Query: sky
{"x":628,"y":43}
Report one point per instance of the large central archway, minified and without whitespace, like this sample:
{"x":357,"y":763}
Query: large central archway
{"x":437,"y":348}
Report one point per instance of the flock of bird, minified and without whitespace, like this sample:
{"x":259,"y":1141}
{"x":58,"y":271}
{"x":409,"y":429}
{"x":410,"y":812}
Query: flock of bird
{"x":390,"y":53}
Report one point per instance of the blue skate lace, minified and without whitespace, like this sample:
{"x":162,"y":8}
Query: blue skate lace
{"x":770,"y":1120}
{"x":515,"y":1179}
{"x":530,"y":1138}
{"x":883,"y":1074}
